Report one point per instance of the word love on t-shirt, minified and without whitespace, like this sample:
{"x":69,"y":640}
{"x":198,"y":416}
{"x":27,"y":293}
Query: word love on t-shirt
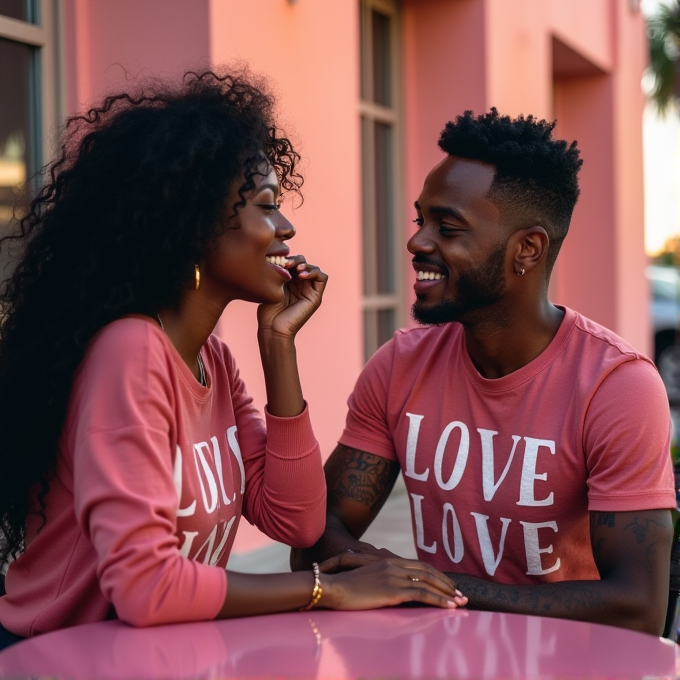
{"x":209,"y":479}
{"x":452,"y":536}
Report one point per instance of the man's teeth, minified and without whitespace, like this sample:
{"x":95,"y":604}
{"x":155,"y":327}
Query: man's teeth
{"x":277,"y":260}
{"x":431,"y":276}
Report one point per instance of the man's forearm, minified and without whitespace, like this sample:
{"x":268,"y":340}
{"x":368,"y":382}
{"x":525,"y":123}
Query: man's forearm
{"x":594,"y":601}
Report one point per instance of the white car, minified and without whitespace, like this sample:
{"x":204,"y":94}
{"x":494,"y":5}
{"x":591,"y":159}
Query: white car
{"x":665,"y":312}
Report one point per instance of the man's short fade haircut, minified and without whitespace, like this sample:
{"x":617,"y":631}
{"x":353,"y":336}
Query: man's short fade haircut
{"x":536,"y":176}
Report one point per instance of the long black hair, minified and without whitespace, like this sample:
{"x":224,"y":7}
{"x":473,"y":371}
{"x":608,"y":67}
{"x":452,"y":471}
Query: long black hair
{"x":137,"y":195}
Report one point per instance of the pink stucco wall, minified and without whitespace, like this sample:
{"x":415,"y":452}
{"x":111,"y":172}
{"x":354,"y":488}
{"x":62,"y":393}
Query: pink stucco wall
{"x":588,"y":27}
{"x":456,"y":55}
{"x":601,"y":268}
{"x":107,"y":42}
{"x":316,"y":75}
{"x":587,"y":263}
{"x":444,"y":73}
{"x":632,"y":300}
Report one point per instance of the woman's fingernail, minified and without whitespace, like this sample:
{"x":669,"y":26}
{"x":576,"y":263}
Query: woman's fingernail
{"x":451,"y":605}
{"x":459,"y":593}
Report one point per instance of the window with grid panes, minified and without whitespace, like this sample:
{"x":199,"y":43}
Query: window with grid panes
{"x":379,"y":109}
{"x":28,"y":92}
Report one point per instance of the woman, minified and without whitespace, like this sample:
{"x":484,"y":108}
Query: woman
{"x":128,"y":446}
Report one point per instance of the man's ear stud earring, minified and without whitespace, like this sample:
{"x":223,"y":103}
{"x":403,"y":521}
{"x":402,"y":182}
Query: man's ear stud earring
{"x":520,"y":272}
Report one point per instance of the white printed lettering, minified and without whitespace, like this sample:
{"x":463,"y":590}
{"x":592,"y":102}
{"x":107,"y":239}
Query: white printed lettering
{"x":491,"y":561}
{"x":236,"y":450}
{"x":461,"y":456}
{"x":458,"y":548}
{"x":218,"y":466}
{"x":177,"y":479}
{"x":533,"y":551}
{"x":213,"y":557}
{"x":411,"y":446}
{"x":420,"y":530}
{"x":529,"y":475}
{"x":188,"y":540}
{"x":489,"y":484}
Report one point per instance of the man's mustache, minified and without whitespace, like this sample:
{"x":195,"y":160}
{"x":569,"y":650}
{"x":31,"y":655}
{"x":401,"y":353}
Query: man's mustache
{"x":420,"y":259}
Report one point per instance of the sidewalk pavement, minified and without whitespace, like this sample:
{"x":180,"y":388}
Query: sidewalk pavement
{"x":391,"y":530}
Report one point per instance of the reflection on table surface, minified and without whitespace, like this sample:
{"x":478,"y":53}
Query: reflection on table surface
{"x":404,"y":643}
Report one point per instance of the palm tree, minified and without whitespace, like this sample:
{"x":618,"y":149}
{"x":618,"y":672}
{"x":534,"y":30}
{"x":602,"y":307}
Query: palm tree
{"x":663,"y":30}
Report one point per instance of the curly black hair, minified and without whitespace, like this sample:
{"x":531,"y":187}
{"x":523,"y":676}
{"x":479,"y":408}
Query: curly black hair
{"x":536,"y":175}
{"x":138,"y":194}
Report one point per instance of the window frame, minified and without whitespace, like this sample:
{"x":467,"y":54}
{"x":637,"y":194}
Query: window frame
{"x":370,"y":113}
{"x":45,"y":36}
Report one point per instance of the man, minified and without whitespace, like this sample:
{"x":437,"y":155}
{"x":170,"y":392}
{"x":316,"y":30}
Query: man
{"x":534,"y":443}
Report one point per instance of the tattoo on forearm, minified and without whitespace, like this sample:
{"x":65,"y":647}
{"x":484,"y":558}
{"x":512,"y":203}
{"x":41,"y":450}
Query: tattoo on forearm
{"x":570,"y":599}
{"x":360,"y":476}
{"x":640,"y":528}
{"x":599,"y":519}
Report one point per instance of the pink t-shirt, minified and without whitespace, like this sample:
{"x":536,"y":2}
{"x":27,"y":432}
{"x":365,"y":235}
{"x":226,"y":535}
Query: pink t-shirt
{"x":501,"y":474}
{"x":153,"y":473}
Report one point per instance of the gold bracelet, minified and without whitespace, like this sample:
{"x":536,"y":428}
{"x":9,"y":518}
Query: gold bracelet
{"x":316,"y":591}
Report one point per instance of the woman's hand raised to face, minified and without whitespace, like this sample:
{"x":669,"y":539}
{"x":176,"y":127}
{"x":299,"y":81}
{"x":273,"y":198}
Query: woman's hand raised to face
{"x":301,"y":298}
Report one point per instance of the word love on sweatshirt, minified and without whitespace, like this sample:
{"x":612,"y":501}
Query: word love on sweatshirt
{"x":203,"y":469}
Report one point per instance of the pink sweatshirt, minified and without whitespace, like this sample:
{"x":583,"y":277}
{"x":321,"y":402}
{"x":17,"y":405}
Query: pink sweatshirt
{"x":153,"y":474}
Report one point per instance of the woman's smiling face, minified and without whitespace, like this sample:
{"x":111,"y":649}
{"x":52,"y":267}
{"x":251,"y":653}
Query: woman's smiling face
{"x":242,"y":264}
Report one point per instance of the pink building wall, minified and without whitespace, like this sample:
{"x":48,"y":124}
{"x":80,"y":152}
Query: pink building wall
{"x":315,"y":72}
{"x":579,"y":61}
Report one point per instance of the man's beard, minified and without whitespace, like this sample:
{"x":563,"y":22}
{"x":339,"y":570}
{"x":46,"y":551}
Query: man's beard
{"x":477,"y":289}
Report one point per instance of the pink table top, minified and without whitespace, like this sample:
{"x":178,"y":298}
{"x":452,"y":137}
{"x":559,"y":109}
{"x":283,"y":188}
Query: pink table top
{"x":387,"y":643}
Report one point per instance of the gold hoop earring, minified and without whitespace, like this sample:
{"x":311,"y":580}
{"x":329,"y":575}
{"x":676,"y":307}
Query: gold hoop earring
{"x":197,"y":277}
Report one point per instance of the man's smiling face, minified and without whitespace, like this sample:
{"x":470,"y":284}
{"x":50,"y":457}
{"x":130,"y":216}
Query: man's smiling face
{"x":460,"y":247}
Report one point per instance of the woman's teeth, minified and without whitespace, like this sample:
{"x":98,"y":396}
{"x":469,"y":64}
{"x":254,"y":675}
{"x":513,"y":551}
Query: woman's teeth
{"x":431,"y":276}
{"x":277,"y":260}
